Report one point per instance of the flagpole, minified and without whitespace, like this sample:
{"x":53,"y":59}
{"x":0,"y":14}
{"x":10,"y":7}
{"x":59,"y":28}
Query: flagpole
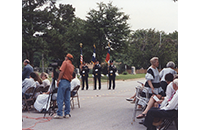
{"x":81,"y":44}
{"x":93,"y":60}
{"x":81,"y":56}
{"x":108,"y":63}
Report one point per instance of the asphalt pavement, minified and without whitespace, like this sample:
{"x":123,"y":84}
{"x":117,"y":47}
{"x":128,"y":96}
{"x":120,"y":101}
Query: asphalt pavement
{"x":99,"y":110}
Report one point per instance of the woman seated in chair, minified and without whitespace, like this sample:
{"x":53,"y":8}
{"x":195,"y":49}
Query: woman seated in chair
{"x":45,"y":81}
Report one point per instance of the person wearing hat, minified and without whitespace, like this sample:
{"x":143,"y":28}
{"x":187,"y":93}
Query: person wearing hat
{"x":27,"y":69}
{"x":111,"y":74}
{"x":64,"y":86}
{"x":97,"y":74}
{"x":84,"y":75}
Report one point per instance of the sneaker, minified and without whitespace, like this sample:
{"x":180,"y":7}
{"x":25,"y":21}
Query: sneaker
{"x":57,"y":117}
{"x":67,"y":116}
{"x":129,"y":99}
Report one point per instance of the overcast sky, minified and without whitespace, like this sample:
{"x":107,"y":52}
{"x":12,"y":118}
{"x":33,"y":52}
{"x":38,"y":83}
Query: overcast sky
{"x":144,"y":14}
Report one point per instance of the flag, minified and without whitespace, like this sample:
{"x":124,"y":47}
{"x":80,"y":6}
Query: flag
{"x":94,"y":55}
{"x":108,"y":54}
{"x":81,"y":57}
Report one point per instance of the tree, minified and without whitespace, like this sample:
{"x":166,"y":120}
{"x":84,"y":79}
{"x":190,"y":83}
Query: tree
{"x":145,"y":44}
{"x":57,"y":33}
{"x":34,"y":20}
{"x":108,"y":21}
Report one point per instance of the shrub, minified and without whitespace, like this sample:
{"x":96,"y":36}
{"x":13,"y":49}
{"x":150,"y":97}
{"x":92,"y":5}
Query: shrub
{"x":125,"y":73}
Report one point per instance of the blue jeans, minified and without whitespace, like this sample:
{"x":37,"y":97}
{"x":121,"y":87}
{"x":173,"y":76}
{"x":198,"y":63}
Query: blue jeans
{"x":63,"y":95}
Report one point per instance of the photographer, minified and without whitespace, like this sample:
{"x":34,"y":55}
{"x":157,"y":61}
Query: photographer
{"x":63,"y":83}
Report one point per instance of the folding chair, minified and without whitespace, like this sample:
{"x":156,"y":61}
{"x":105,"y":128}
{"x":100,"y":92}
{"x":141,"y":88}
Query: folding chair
{"x":139,"y":98}
{"x":28,"y":101}
{"x":74,"y":94}
{"x":38,"y":90}
{"x":46,"y":88}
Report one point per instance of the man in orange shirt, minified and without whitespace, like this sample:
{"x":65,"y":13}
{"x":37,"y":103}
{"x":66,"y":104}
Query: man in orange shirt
{"x":63,"y":83}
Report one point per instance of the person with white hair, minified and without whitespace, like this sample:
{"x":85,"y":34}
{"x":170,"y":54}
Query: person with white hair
{"x":153,"y":78}
{"x":168,"y":111}
{"x":152,"y":81}
{"x":170,"y":69}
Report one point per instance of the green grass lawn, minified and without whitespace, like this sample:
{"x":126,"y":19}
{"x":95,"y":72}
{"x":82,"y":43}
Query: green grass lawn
{"x":120,"y":77}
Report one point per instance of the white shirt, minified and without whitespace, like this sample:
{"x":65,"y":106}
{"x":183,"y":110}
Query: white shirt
{"x":46,"y":82}
{"x":170,"y":90}
{"x":173,"y":104}
{"x":27,"y":83}
{"x":74,"y":83}
{"x":156,"y":78}
{"x":165,"y":71}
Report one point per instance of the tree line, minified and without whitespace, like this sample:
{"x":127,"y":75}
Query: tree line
{"x":54,"y":31}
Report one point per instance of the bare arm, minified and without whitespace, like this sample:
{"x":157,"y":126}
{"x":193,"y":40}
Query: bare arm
{"x":151,"y":85}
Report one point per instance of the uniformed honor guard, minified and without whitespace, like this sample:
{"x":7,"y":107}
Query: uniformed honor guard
{"x":97,"y":74}
{"x":84,"y":75}
{"x":111,"y":73}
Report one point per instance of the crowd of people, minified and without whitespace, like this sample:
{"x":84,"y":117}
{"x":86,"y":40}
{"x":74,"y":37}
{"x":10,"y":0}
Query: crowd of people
{"x":65,"y":83}
{"x":162,"y":88}
{"x":163,"y":92}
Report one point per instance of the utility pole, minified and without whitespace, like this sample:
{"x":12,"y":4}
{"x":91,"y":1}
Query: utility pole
{"x":159,"y":47}
{"x":42,"y":62}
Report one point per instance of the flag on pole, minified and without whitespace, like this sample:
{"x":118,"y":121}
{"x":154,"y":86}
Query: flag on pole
{"x":108,"y":54}
{"x":81,"y":55}
{"x":94,"y":55}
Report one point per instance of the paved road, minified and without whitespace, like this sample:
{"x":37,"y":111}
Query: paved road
{"x":100,"y":110}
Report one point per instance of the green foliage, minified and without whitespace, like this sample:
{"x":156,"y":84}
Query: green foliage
{"x":125,"y":73}
{"x":108,"y":21}
{"x":145,"y":44}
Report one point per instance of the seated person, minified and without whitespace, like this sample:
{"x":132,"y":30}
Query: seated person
{"x":75,"y":82}
{"x":29,"y":82}
{"x":169,"y":78}
{"x":169,"y":109}
{"x":44,"y":76}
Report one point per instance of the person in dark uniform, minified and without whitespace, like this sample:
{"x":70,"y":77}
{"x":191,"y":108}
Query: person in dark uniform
{"x":111,"y":74}
{"x":84,"y":75}
{"x":97,"y":74}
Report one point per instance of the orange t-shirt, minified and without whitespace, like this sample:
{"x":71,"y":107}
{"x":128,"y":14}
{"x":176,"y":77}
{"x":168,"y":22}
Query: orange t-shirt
{"x":68,"y":69}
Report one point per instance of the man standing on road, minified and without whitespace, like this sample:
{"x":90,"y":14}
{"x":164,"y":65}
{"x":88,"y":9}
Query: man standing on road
{"x":27,"y":69}
{"x":111,"y":74}
{"x":97,"y":74}
{"x":84,"y":75}
{"x":64,"y":86}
